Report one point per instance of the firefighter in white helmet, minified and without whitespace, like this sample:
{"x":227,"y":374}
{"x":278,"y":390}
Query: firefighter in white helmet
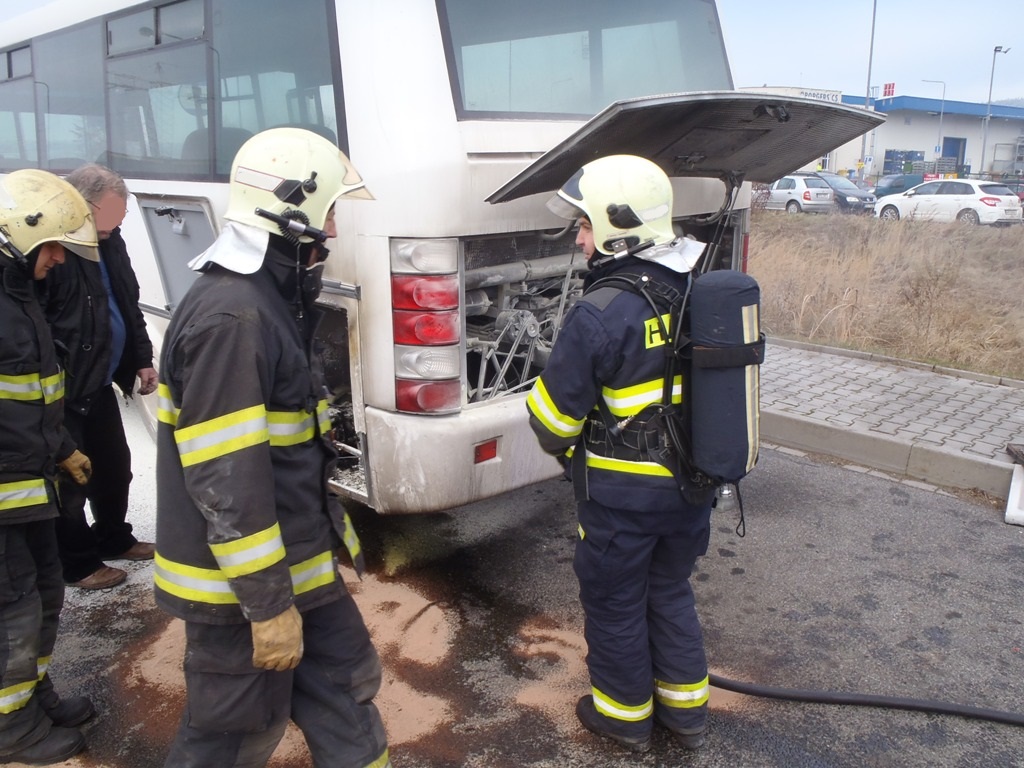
{"x":246,"y":531}
{"x":640,"y":533}
{"x":40,"y":214}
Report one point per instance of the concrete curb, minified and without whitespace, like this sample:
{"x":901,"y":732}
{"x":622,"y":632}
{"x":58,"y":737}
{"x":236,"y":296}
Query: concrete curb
{"x":913,"y":460}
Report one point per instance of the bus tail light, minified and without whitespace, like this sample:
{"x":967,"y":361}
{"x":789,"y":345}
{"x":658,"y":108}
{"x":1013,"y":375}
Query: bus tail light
{"x":428,"y":396}
{"x":485,"y":451}
{"x":427,"y":325}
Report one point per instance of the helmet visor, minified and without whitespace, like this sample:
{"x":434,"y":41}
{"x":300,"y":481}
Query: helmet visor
{"x":82,"y":242}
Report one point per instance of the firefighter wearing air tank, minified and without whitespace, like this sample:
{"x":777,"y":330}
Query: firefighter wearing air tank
{"x":638,"y":536}
{"x":246,"y":531}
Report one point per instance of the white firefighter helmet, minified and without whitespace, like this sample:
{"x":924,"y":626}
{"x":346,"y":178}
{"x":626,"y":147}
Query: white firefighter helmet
{"x":627,"y":199}
{"x":38,"y":207}
{"x":289,"y":172}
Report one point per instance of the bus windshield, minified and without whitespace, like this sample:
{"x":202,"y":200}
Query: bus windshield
{"x":574,"y":57}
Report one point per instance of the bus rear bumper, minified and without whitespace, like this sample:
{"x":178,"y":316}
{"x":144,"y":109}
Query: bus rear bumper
{"x":429,"y":463}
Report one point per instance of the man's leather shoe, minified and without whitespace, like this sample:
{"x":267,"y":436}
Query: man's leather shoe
{"x":594,"y":723}
{"x":59,"y":745}
{"x":103,"y":577}
{"x":74,"y":710}
{"x":140,"y":550}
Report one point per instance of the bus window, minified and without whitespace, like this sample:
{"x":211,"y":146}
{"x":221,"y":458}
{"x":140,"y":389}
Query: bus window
{"x":577,"y":56}
{"x":74,"y":122}
{"x":18,"y":147}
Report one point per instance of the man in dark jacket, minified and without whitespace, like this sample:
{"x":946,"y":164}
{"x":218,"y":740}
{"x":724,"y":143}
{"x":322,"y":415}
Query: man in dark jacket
{"x":93,"y":310}
{"x":639,"y":536}
{"x":246,"y":530}
{"x":39,"y":215}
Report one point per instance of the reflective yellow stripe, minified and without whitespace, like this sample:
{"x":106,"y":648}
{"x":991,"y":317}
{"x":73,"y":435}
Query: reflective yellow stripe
{"x":629,"y":467}
{"x":53,"y":388}
{"x":323,"y":417}
{"x":290,"y":427}
{"x":249,"y":554}
{"x":607,"y":706}
{"x":351,"y":539}
{"x":630,"y":400}
{"x":22,"y":493}
{"x":313,"y":573}
{"x":42,"y":666}
{"x":540,"y":404}
{"x":682,"y":696}
{"x":165,"y":410}
{"x":222,"y":435}
{"x":210,"y":586}
{"x":381,"y":762}
{"x":580,"y":531}
{"x":15,"y":697}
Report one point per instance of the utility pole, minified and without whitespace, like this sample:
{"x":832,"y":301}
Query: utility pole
{"x":988,"y":110}
{"x":867,"y":91}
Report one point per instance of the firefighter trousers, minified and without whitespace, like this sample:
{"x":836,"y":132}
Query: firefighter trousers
{"x":31,"y":598}
{"x":235,"y":714}
{"x":645,"y":648}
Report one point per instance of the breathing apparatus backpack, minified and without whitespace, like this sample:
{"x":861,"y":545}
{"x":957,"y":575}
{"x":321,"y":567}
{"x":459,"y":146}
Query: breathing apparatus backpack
{"x":711,"y":438}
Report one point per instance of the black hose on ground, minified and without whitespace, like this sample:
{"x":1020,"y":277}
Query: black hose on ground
{"x":866,"y":700}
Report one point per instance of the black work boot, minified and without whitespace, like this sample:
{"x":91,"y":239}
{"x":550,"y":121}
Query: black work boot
{"x":71,"y":711}
{"x":595,"y":723}
{"x":688,"y":738}
{"x":63,"y":712}
{"x":59,"y":745}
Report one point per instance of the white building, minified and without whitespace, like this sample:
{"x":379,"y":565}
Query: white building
{"x":925,"y":130}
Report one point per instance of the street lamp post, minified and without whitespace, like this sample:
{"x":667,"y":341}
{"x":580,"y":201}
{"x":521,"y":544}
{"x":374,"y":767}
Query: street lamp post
{"x":942,"y":109}
{"x":988,"y":109}
{"x":867,"y":93}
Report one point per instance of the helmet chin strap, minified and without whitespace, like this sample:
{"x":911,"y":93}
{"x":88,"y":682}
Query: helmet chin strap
{"x":12,"y":249}
{"x":620,"y":252}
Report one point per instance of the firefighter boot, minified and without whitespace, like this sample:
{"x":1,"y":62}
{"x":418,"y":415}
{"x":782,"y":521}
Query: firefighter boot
{"x":596,"y":723}
{"x":688,"y":738}
{"x":59,"y":745}
{"x":64,"y":712}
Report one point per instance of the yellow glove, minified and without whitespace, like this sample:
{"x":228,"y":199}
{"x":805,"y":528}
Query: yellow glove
{"x":277,"y":642}
{"x":78,"y":466}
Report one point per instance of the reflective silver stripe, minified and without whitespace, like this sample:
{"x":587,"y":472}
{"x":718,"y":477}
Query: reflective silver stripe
{"x":15,"y":697}
{"x":53,"y":387}
{"x":22,"y":387}
{"x":290,"y":427}
{"x":22,"y":493}
{"x":222,"y":435}
{"x":165,"y":410}
{"x":313,"y":573}
{"x":250,"y":554}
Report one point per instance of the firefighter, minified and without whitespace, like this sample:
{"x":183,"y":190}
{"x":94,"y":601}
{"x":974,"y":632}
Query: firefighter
{"x":246,"y":531}
{"x":40,"y":214}
{"x":639,"y":535}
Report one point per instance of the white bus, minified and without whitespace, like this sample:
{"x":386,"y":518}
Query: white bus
{"x":444,"y":294}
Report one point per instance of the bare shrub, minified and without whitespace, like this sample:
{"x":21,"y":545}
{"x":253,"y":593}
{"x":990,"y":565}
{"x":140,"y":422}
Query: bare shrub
{"x":946,"y":294}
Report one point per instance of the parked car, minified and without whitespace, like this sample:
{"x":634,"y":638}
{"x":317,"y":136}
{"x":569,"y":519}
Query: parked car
{"x":847,"y":196}
{"x":895,"y":183}
{"x":965,"y":200}
{"x":1017,"y":187}
{"x":795,"y":194}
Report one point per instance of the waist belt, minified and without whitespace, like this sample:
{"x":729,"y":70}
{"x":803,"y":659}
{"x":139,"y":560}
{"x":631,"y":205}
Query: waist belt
{"x":637,"y":441}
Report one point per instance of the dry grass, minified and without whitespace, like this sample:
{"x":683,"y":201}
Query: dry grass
{"x":943,"y":294}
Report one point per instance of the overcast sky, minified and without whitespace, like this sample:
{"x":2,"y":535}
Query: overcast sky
{"x":825,"y":44}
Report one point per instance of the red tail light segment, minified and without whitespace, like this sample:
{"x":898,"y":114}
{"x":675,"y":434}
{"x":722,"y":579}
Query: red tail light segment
{"x":807,"y":194}
{"x":427,"y":396}
{"x":425,"y":310}
{"x":425,"y":291}
{"x":991,"y":202}
{"x":426,"y":329}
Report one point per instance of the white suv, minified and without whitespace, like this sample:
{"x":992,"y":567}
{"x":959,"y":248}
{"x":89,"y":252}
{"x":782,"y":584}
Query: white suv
{"x":796,"y":194}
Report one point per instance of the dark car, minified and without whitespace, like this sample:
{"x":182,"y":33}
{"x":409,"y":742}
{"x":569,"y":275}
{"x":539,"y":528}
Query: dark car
{"x":1017,"y":187}
{"x":847,"y":196}
{"x":895,"y":183}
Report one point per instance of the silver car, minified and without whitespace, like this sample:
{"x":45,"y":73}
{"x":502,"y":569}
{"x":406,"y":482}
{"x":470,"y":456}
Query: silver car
{"x":800,"y":194}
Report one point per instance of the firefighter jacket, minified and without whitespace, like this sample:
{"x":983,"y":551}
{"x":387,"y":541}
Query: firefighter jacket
{"x":32,"y":439}
{"x":77,"y":309}
{"x":244,"y":521}
{"x":611,"y":347}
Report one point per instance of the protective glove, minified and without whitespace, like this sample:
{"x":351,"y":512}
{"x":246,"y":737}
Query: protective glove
{"x":78,"y":466}
{"x":277,"y":642}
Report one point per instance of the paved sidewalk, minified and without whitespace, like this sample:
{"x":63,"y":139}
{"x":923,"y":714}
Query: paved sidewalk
{"x":945,"y":427}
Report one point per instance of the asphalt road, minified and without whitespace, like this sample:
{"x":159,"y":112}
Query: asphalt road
{"x":845,"y":581}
